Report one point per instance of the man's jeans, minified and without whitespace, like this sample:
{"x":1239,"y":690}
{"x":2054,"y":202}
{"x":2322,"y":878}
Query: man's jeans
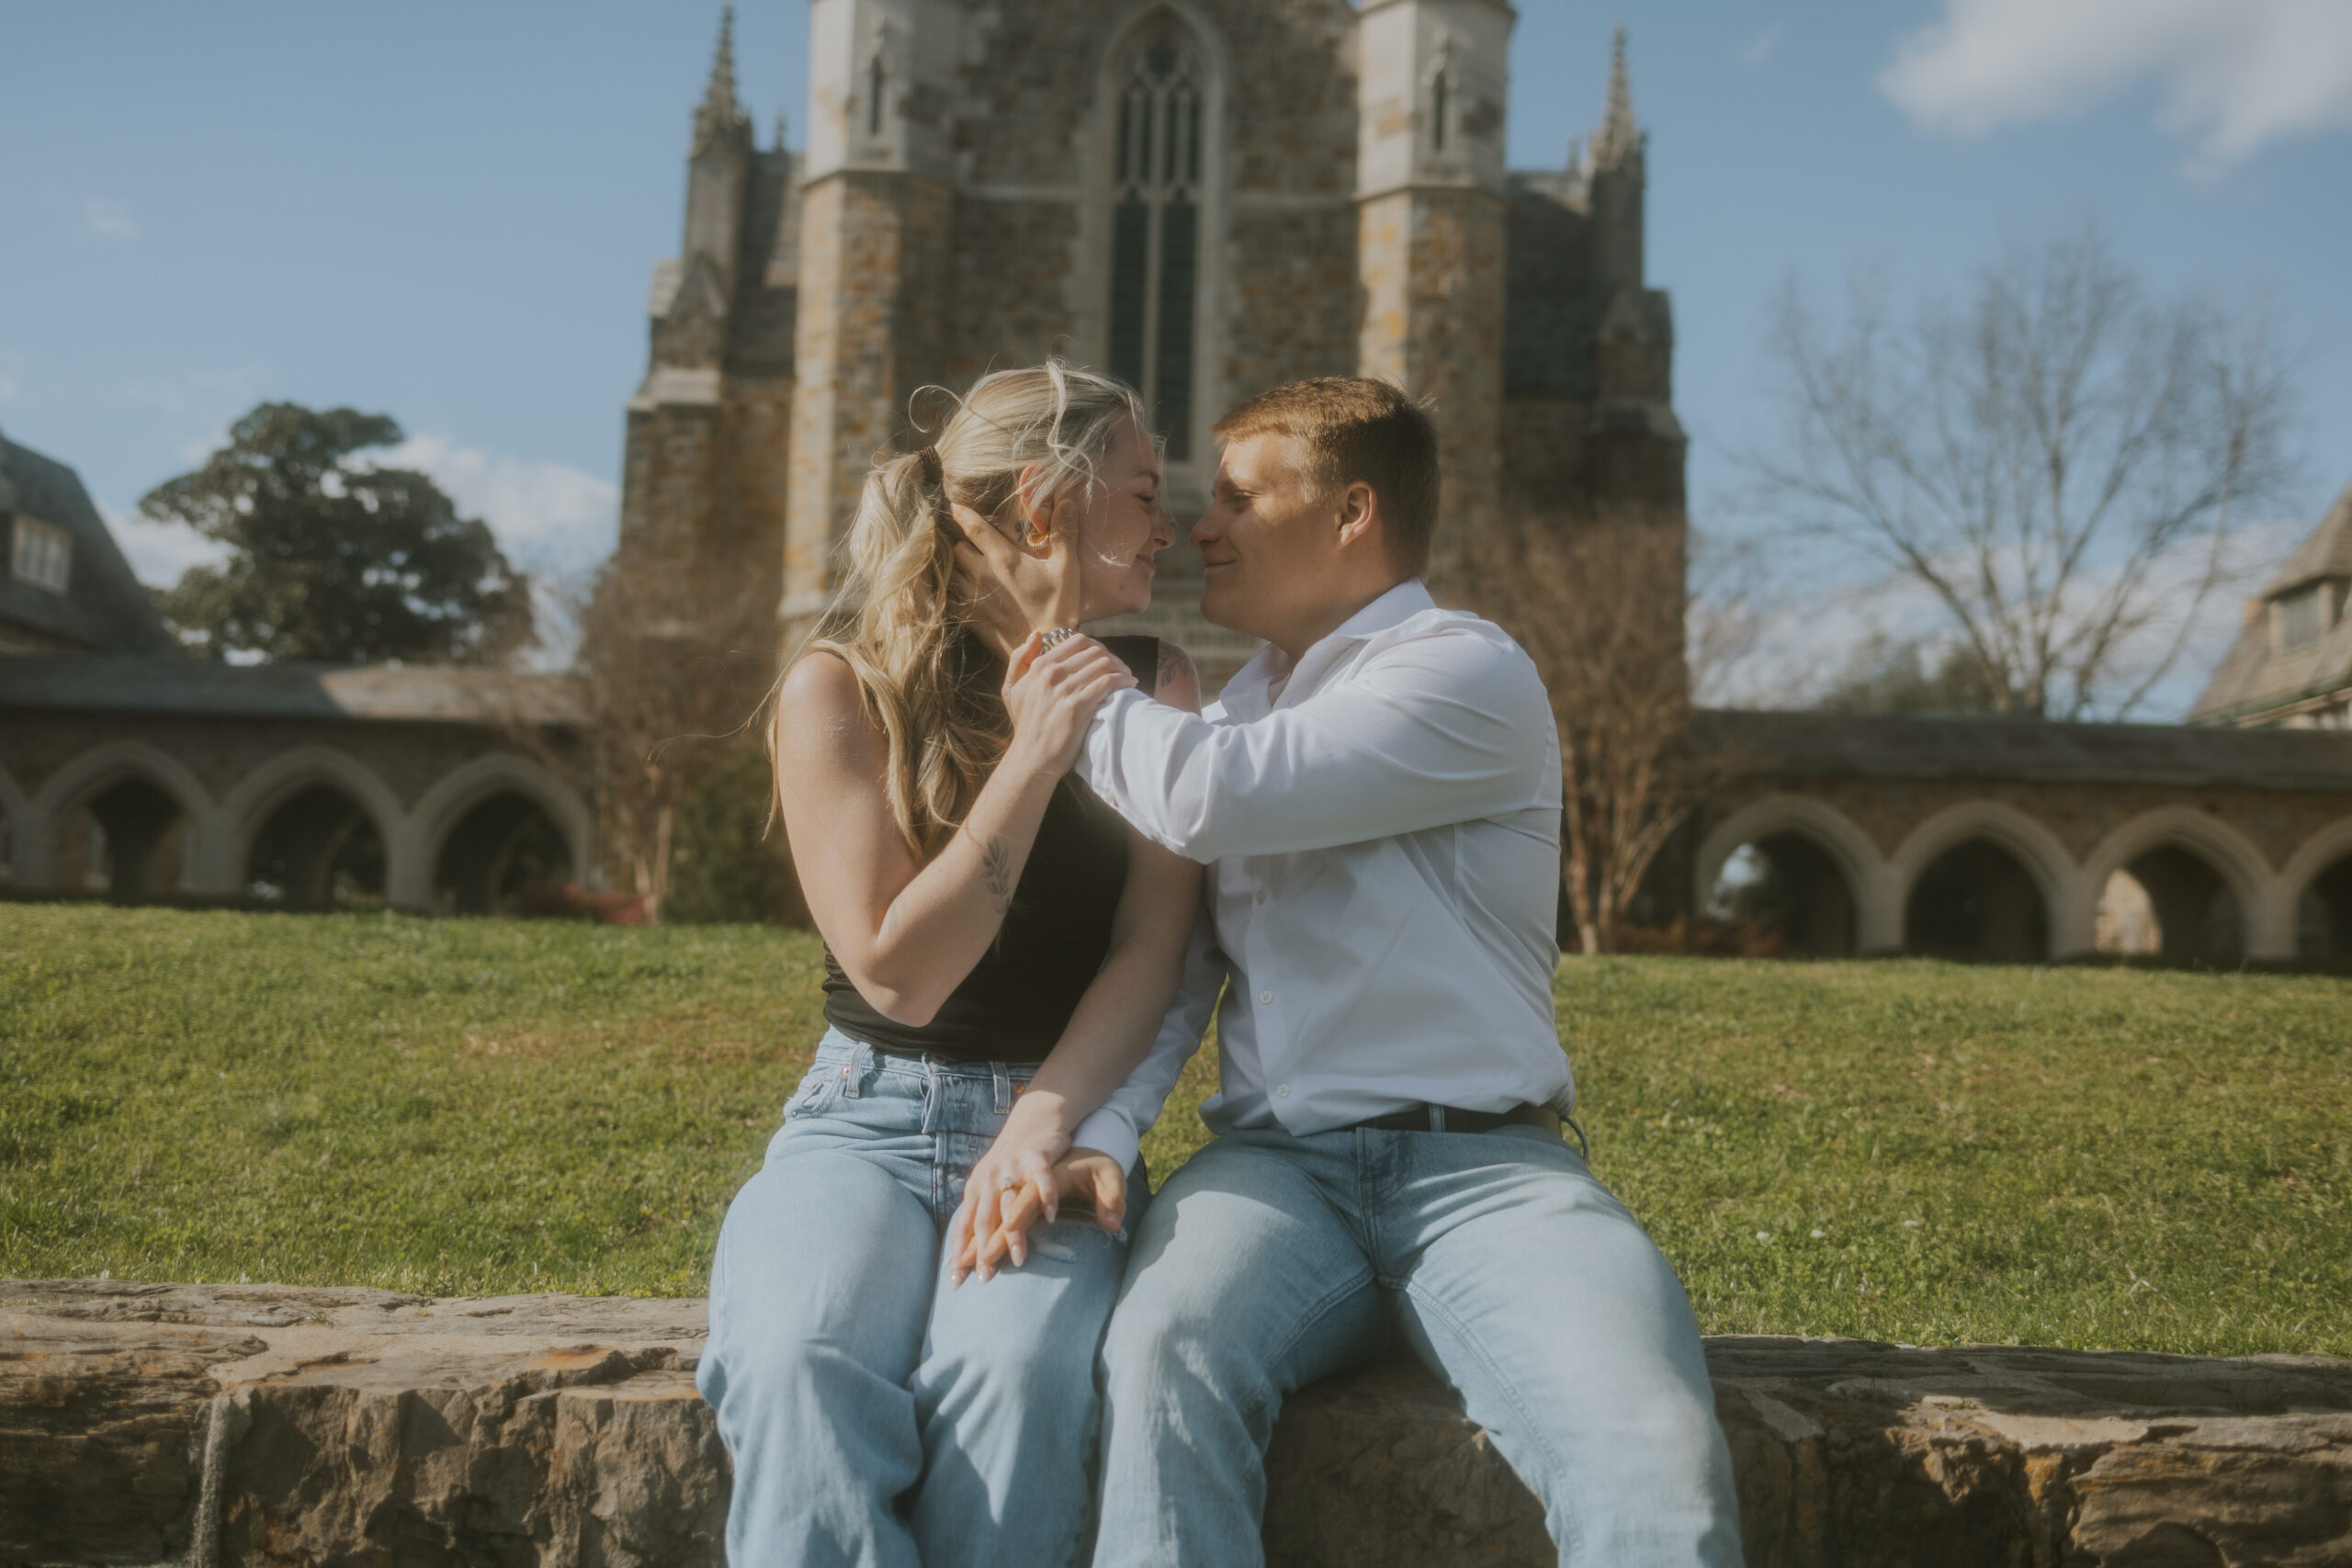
{"x":876,"y":1417}
{"x":1271,"y":1260}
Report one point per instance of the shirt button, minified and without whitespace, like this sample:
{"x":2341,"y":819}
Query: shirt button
{"x":1265,"y":996}
{"x":1262,"y":895}
{"x":1282,"y":1093}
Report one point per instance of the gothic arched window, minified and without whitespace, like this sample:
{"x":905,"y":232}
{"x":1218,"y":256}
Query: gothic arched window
{"x":1156,"y":224}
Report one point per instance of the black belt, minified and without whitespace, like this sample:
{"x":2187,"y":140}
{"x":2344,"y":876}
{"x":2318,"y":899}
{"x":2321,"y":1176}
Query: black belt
{"x":1448,"y":1118}
{"x":1445,"y":1119}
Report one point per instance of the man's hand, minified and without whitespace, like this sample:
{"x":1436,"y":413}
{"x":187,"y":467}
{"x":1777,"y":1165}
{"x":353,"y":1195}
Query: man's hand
{"x":1083,"y":1179}
{"x":1015,"y":591}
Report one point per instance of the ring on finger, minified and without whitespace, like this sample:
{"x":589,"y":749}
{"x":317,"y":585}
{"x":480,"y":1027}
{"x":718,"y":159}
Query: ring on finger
{"x":1057,"y":636}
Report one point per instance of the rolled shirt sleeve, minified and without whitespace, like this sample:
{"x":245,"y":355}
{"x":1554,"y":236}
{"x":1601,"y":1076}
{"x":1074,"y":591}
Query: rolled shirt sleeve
{"x":1428,"y":731}
{"x":1116,"y":1127}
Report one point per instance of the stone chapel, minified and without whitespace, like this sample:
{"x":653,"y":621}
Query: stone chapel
{"x":1212,"y":197}
{"x":1206,"y":198}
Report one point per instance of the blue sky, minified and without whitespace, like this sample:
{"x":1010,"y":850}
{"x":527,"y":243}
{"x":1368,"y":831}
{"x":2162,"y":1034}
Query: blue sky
{"x":450,"y":212}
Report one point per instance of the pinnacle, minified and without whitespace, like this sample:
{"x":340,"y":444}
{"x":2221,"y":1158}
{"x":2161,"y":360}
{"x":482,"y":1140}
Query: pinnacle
{"x":1619,"y":139}
{"x":720,"y":114}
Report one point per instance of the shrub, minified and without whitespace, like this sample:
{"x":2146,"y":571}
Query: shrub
{"x":727,"y":864}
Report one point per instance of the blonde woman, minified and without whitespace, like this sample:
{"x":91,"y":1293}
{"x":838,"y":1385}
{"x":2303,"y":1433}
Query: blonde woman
{"x":999,"y":950}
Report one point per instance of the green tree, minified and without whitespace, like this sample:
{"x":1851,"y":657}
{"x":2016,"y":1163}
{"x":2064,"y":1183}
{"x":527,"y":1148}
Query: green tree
{"x":332,"y":559}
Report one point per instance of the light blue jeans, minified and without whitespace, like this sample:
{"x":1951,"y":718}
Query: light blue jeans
{"x":876,"y":1417}
{"x":1271,"y":1260}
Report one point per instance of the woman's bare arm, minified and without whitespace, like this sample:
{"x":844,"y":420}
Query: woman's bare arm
{"x":1112,"y":1026}
{"x":908,"y":933}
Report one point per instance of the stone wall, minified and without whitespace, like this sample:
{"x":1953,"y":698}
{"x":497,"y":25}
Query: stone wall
{"x":256,"y":1425}
{"x":2266,"y":847}
{"x":225,"y":775}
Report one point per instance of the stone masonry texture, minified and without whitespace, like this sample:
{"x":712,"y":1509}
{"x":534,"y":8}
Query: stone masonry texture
{"x":261,"y":1425}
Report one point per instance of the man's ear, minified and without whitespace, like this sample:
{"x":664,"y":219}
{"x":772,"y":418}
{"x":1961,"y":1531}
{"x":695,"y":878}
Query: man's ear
{"x":1357,"y":516}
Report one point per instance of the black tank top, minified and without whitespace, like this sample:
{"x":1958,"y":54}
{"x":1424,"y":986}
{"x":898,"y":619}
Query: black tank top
{"x":1018,"y":999}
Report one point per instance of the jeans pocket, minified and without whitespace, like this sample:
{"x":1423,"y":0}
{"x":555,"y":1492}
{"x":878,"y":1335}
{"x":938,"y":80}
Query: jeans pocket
{"x":818,"y":1091}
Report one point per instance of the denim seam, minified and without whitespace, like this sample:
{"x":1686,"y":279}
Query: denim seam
{"x":1511,"y":1396}
{"x":1313,"y":1316}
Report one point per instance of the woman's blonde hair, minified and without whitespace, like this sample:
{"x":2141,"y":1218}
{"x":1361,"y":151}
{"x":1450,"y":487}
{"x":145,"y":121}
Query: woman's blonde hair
{"x":899,"y":617}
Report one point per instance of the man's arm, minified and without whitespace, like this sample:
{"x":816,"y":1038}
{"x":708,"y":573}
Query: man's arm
{"x":1445,"y":727}
{"x":1116,"y":1127}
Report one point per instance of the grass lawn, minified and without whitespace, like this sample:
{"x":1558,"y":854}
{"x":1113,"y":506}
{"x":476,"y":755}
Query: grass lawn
{"x":1898,"y":1150}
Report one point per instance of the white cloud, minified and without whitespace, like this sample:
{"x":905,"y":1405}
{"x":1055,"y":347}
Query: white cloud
{"x":1816,"y":621}
{"x":110,"y":218}
{"x":2235,"y":74}
{"x":213,"y":398}
{"x":10,"y":388}
{"x":1761,"y":49}
{"x":554,"y":522}
{"x":549,"y":517}
{"x":159,"y":552}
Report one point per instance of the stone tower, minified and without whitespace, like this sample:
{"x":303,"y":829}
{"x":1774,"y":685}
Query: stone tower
{"x":877,"y":236}
{"x":1588,"y":386}
{"x":1206,"y":197}
{"x":704,"y":479}
{"x":1431,"y":234}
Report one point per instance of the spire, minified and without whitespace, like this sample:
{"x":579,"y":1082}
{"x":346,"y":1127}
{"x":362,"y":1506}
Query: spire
{"x":718,"y":114}
{"x":1618,"y":142}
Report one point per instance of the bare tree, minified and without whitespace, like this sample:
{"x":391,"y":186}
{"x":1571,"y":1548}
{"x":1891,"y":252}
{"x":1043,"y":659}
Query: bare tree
{"x":1729,"y":586}
{"x":2061,"y":461}
{"x":1598,"y":602}
{"x":671,"y":673}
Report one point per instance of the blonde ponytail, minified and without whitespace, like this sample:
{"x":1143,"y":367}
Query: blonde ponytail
{"x":898,"y":620}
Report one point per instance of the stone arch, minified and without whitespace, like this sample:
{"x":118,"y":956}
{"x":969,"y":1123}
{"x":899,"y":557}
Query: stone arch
{"x":2317,"y":857}
{"x":2034,"y":847}
{"x":471,"y":783}
{"x":100,"y":768}
{"x":1214,"y":200}
{"x":1848,"y":849}
{"x":2222,"y":849}
{"x":257,"y":797}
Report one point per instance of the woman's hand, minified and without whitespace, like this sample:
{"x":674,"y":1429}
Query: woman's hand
{"x":1083,"y":1178}
{"x":1020,"y":1162}
{"x":1015,"y":591}
{"x":1052,"y":692}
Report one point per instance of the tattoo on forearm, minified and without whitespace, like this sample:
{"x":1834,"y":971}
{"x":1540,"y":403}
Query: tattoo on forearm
{"x":1173,"y":664}
{"x":996,"y":874}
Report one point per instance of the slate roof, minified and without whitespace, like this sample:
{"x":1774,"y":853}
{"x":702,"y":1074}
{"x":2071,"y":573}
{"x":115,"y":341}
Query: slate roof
{"x":380,"y":692}
{"x":2032,"y":750}
{"x":103,"y":607}
{"x":2251,"y":677}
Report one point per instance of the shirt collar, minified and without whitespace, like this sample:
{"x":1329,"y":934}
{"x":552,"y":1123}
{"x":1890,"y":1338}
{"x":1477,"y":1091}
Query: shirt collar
{"x":1399,"y":605}
{"x":1396,"y":606}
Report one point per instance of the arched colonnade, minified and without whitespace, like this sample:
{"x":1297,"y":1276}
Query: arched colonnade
{"x":1984,"y":877}
{"x":165,"y":832}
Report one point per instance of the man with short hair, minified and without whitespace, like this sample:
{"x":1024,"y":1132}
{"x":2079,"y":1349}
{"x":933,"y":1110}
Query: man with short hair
{"x":1378,"y":797}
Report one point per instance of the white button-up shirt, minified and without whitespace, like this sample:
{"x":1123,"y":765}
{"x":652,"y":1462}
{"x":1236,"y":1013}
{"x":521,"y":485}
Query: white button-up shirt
{"x":1384,"y":850}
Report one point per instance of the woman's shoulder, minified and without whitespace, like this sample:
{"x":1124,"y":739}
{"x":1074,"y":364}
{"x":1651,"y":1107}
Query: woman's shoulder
{"x":820,"y":694}
{"x":820,"y":678}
